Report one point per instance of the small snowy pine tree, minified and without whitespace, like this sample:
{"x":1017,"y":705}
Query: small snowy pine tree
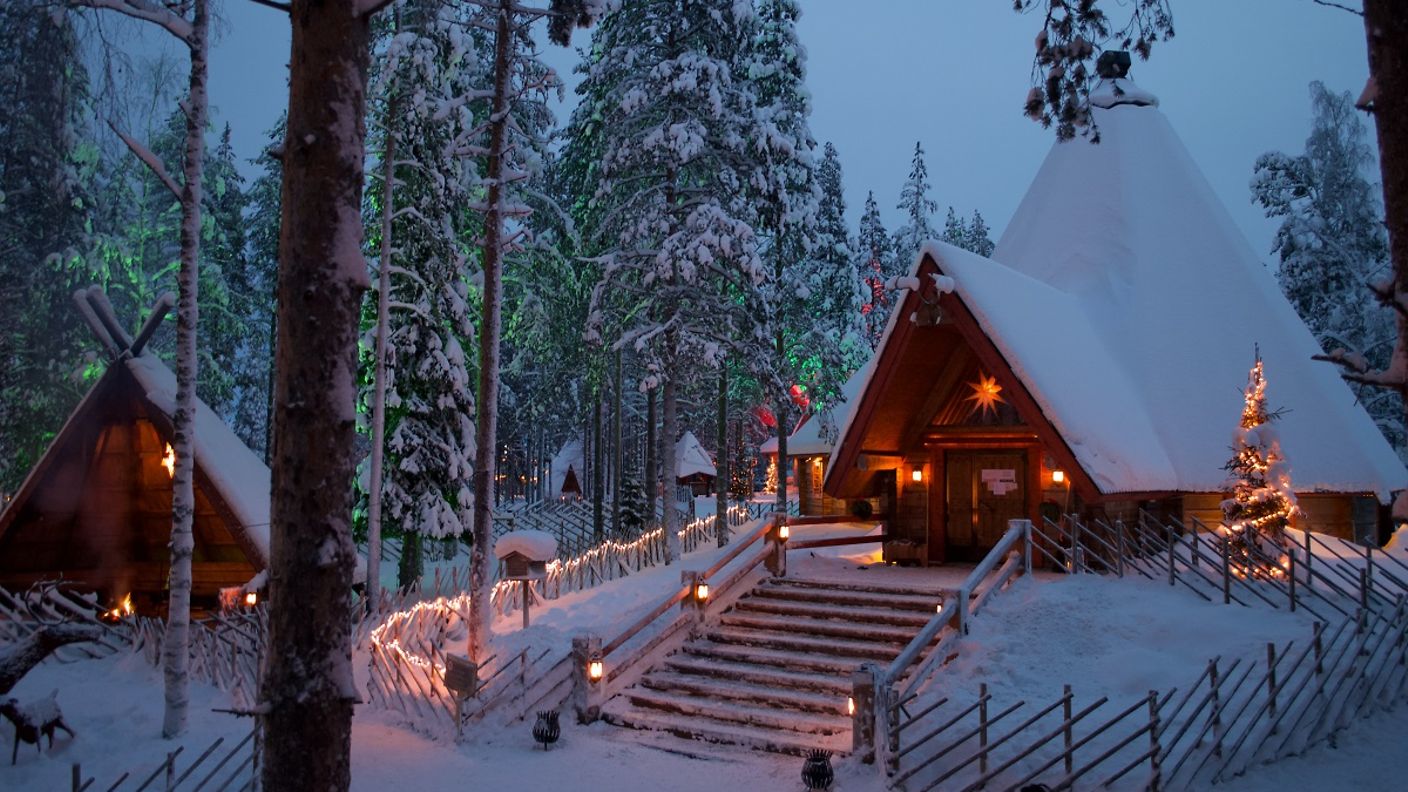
{"x":875,"y":255}
{"x":918,"y":207}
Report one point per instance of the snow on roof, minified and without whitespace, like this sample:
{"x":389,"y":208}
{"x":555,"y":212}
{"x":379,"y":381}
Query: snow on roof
{"x":536,"y":545}
{"x":569,"y":456}
{"x":1133,"y":241}
{"x":811,"y":437}
{"x":241,"y":478}
{"x":692,"y":457}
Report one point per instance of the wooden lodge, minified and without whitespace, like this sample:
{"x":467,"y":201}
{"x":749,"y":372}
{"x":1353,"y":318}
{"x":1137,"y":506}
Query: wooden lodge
{"x":96,"y":509}
{"x":1093,"y":364}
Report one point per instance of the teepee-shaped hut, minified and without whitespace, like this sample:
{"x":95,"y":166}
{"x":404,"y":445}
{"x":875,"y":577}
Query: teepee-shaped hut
{"x":96,"y":509}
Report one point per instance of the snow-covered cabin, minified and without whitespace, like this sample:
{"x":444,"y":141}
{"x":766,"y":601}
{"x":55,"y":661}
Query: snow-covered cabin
{"x":696,"y":468}
{"x":566,"y":470}
{"x":96,"y":509}
{"x":809,"y":449}
{"x":1095,"y":363}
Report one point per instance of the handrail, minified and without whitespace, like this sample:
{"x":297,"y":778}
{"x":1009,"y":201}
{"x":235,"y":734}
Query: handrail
{"x":641,"y":623}
{"x":738,"y":548}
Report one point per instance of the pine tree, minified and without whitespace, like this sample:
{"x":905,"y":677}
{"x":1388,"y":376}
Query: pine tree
{"x":255,"y":367}
{"x":971,"y":235}
{"x":1261,"y":503}
{"x":1331,"y":243}
{"x":917,"y":207}
{"x":632,"y":501}
{"x":873,"y":264}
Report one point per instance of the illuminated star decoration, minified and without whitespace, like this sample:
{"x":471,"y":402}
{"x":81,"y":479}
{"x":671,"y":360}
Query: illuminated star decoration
{"x":986,"y":394}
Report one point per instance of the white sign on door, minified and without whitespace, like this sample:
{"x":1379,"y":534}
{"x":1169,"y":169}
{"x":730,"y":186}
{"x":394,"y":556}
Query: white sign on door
{"x":1000,"y":481}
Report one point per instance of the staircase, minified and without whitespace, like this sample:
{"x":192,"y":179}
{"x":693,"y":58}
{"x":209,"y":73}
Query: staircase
{"x":774,"y":671}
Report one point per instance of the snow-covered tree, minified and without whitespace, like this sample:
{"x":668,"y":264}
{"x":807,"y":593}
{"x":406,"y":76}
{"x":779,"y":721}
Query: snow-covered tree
{"x":632,"y":503}
{"x":421,"y":479}
{"x":918,"y":209}
{"x":1331,"y":242}
{"x":971,"y":235}
{"x":874,"y":260}
{"x":681,"y":279}
{"x":1261,"y":502}
{"x":252,"y":412}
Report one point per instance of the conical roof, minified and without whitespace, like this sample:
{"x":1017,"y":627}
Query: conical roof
{"x":692,"y":458}
{"x":1131,"y":230}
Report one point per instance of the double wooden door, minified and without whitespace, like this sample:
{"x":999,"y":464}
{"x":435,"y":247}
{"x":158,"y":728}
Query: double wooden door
{"x":983,"y":490}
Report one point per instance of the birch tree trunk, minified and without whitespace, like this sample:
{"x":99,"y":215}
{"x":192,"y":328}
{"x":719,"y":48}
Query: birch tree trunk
{"x":307,"y":686}
{"x":383,"y":279}
{"x":480,"y":574}
{"x":176,"y":642}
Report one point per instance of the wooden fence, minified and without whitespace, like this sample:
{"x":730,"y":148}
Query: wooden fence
{"x":220,"y":767}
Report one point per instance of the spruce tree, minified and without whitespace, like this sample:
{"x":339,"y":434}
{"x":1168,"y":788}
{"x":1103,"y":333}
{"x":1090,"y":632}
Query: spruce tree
{"x":255,"y":368}
{"x":874,"y":257}
{"x":1262,"y":503}
{"x":918,"y":208}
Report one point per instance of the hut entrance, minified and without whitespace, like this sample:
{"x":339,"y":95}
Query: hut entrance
{"x":984,"y":489}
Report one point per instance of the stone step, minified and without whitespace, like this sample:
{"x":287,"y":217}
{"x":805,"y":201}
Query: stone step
{"x":777,"y":673}
{"x":621,"y":713}
{"x":839,"y":647}
{"x":720,"y":689}
{"x":824,"y":610}
{"x":770,"y":658}
{"x":802,"y":626}
{"x":899,"y":602}
{"x":694,"y":707}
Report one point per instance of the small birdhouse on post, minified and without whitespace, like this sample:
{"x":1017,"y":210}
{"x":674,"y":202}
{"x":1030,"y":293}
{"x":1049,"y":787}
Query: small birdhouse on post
{"x":525,"y":556}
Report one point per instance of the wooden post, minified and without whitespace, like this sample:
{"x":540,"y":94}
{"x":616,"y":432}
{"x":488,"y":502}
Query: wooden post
{"x":892,"y":732}
{"x":1271,"y":682}
{"x":1363,"y":596}
{"x":586,"y":694}
{"x":1119,"y":552}
{"x":1226,"y":572}
{"x":1067,"y":730}
{"x":1155,"y":763}
{"x":1075,"y":559}
{"x":1216,"y":713}
{"x":963,"y":611}
{"x":983,"y":728}
{"x":1027,"y":547}
{"x":692,"y":604}
{"x":170,"y":771}
{"x":524,"y":584}
{"x":1291,"y":577}
{"x":863,"y":712}
{"x":1318,"y":630}
{"x":776,"y":562}
{"x":77,"y":778}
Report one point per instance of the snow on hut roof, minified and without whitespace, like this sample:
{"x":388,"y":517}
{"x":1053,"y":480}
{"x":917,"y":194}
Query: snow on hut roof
{"x":692,"y":457}
{"x":241,"y":477}
{"x":1129,"y":304}
{"x":536,"y":545}
{"x":569,"y":456}
{"x":1132,"y":232}
{"x":818,"y":434}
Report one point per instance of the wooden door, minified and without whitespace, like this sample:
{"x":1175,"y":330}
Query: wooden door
{"x":984,"y":490}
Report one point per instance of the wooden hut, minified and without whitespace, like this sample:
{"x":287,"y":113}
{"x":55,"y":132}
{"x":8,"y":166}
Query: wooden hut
{"x":696,"y":468}
{"x":96,"y":509}
{"x":1093,"y":364}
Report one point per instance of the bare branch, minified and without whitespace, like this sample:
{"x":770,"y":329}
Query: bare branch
{"x":1329,"y":4}
{"x":146,"y":11}
{"x":274,"y":4}
{"x":150,"y":160}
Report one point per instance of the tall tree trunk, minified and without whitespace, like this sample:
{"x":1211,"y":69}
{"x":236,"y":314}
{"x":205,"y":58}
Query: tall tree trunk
{"x":616,"y":475}
{"x":307,"y":685}
{"x":783,"y":422}
{"x":383,"y":310}
{"x":672,"y":462}
{"x":721,"y":464}
{"x":1386,"y":32}
{"x":652,"y":479}
{"x":480,"y":574}
{"x":176,"y":643}
{"x":598,"y":520}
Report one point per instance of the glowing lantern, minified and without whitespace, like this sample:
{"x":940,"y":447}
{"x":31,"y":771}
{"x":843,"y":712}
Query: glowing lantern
{"x":701,"y":591}
{"x":251,"y":599}
{"x":850,"y":705}
{"x":1058,"y":476}
{"x":169,"y":461}
{"x":917,"y":475}
{"x":595,"y":669}
{"x":783,"y":532}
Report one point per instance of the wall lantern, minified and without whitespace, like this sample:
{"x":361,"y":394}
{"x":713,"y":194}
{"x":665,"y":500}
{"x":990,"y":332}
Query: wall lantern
{"x":251,"y":599}
{"x":783,"y":532}
{"x":701,"y":591}
{"x":595,"y":669}
{"x":850,"y":705}
{"x":1058,"y":476}
{"x":917,"y":475}
{"x":169,"y":461}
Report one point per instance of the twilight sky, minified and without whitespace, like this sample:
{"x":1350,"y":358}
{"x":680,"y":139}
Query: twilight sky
{"x":953,"y":74}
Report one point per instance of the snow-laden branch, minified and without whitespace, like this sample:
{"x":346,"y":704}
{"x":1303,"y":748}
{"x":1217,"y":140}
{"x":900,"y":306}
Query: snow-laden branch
{"x":146,"y":11}
{"x":274,"y":4}
{"x":149,"y":159}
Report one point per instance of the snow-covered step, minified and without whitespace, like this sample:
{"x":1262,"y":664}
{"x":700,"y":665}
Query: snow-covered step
{"x":795,"y":625}
{"x":856,"y":588}
{"x":802,"y":643}
{"x":621,"y":713}
{"x":769,"y":657}
{"x":716,"y":689}
{"x":779,"y":674}
{"x":904,"y":602}
{"x":738,"y":712}
{"x":826,"y":610}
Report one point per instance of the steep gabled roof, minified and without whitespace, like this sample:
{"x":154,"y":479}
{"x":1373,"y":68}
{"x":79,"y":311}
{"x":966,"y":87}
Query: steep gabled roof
{"x":1128,"y":306}
{"x":692,"y":458}
{"x":812,"y":436}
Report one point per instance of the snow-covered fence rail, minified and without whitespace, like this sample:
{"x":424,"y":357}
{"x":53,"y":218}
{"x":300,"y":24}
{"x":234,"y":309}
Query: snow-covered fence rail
{"x":55,"y":602}
{"x":218,"y":768}
{"x":226,"y":649}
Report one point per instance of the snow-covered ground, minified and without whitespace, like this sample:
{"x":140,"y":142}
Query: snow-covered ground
{"x":1103,"y":636}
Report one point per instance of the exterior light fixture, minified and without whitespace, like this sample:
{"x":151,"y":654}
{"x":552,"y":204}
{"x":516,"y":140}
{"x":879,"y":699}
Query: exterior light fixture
{"x":783,"y":532}
{"x":595,"y":669}
{"x":251,"y":599}
{"x":939,"y":608}
{"x":1058,"y":476}
{"x":850,"y":705}
{"x":701,"y":591}
{"x":917,"y":475}
{"x":169,"y":461}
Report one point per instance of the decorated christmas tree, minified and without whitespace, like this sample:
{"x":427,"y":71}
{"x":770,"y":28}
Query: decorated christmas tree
{"x":1261,"y":503}
{"x":771,"y":484}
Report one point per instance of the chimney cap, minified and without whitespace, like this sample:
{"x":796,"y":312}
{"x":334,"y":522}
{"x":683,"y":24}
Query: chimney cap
{"x":1113,"y":64}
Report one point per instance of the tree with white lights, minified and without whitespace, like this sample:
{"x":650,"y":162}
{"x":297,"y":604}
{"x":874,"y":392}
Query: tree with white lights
{"x":1262,"y":503}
